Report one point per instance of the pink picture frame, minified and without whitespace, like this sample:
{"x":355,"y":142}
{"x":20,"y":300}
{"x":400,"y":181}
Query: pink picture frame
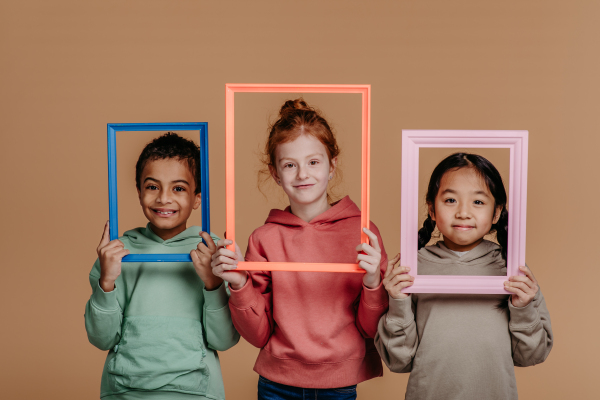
{"x":230,"y":90}
{"x":412,"y":141}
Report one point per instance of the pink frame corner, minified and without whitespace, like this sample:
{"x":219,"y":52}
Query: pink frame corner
{"x":412,"y":141}
{"x":230,"y":90}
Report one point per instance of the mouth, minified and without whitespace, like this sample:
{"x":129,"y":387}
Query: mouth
{"x":307,"y":186}
{"x":163,"y":212}
{"x":463,"y":227}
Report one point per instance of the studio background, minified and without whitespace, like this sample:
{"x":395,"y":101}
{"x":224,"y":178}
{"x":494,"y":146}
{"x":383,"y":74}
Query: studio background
{"x":67,"y":68}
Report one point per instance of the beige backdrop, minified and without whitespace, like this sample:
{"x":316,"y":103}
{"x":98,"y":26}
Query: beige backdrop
{"x":68,"y":68}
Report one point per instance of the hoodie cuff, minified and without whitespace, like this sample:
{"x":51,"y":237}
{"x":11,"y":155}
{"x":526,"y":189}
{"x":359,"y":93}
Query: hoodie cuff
{"x":105,"y":301}
{"x":245,"y":297}
{"x":215,"y":299}
{"x":400,"y":311}
{"x":375,"y":298}
{"x":524,"y":317}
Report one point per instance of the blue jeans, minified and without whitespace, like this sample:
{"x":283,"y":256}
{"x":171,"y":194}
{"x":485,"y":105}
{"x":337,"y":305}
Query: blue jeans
{"x":269,"y":390}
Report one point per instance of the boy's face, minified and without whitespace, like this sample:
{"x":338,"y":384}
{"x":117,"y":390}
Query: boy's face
{"x":167,"y":196}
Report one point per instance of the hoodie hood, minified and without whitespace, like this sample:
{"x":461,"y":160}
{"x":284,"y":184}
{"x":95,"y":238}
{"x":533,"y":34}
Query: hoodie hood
{"x":485,"y":259}
{"x":144,"y":238}
{"x":340,"y":210}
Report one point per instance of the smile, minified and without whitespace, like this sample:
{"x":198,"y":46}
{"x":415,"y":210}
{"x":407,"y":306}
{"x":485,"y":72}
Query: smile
{"x":463,"y":227}
{"x":304,"y":186}
{"x":164,"y":213}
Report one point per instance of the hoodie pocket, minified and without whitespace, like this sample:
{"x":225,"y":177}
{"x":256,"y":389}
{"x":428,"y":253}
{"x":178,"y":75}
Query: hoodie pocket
{"x":159,"y":353}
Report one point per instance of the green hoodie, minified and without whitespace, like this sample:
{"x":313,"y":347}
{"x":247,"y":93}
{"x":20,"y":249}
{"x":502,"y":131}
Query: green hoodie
{"x":161,"y":327}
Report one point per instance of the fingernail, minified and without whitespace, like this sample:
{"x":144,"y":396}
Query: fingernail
{"x":408,"y":268}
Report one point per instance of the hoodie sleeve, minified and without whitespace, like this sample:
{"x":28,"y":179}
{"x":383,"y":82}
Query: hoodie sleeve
{"x":216,"y":318}
{"x":103,"y":313}
{"x":530,"y":331}
{"x":397,"y":339}
{"x":251,"y":306}
{"x":373,"y":302}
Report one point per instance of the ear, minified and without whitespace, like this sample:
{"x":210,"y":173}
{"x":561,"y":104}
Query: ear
{"x":197,"y":201}
{"x":497,"y":215}
{"x":333,"y":165}
{"x":431,"y":211}
{"x":139,"y":194}
{"x":274,"y":175}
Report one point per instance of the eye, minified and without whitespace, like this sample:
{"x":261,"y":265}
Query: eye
{"x":151,"y":187}
{"x":179,"y":189}
{"x":479,"y":202}
{"x":313,"y":162}
{"x":450,"y":200}
{"x":288,"y":165}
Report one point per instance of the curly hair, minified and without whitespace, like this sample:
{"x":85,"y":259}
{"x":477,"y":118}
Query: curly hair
{"x":170,"y":145}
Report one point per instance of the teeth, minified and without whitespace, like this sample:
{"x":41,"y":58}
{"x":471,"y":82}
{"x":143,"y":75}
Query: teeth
{"x":165,"y":212}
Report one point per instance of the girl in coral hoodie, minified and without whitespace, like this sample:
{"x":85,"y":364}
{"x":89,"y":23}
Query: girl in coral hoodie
{"x":314,"y":329}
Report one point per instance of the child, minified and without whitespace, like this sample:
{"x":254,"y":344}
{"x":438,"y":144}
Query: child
{"x":463,"y":346}
{"x":314,"y":329}
{"x":161,"y":322}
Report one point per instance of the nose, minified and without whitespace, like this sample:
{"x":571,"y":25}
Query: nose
{"x":302,"y":172}
{"x":164,"y":196}
{"x":463,"y":211}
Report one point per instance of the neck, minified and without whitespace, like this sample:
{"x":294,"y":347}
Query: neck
{"x":459,"y":247}
{"x":308,"y":212}
{"x":166,"y":234}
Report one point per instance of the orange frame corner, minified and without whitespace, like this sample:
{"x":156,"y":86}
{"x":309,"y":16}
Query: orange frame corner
{"x":230,"y":90}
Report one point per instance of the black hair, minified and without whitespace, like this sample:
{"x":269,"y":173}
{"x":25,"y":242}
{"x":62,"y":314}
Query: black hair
{"x":170,"y":145}
{"x":492,"y":179}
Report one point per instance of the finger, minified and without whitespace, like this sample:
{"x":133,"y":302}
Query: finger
{"x":210,"y":244}
{"x":368,"y":249}
{"x":517,"y":292}
{"x":238,"y":253}
{"x":224,"y":242}
{"x":224,"y":252}
{"x":528,"y":273}
{"x":374,"y":240}
{"x":115,"y":244}
{"x":518,"y":285}
{"x":369,"y":259}
{"x":401,"y":270}
{"x":391,"y":264}
{"x":366,"y":266}
{"x":524,"y":279}
{"x":401,"y":278}
{"x":105,"y":236}
{"x":122,"y":253}
{"x":221,"y":260}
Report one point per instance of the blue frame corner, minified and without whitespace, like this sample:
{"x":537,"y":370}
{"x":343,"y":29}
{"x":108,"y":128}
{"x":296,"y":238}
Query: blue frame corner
{"x":113,"y":206}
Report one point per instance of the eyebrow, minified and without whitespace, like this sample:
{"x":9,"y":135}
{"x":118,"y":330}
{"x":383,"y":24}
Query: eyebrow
{"x":309,"y":156}
{"x":451,"y":191}
{"x":175,"y":181}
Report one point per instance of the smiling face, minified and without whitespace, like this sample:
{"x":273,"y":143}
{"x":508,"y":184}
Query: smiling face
{"x":303,"y":170}
{"x":167,"y":196}
{"x":464,"y":209}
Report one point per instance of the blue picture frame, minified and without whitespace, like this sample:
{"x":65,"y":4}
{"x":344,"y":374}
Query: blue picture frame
{"x":113,"y":206}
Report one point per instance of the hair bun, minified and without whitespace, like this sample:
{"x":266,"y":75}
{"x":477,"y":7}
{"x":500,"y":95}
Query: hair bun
{"x":294,"y":105}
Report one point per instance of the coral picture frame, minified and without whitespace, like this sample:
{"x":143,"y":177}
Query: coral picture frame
{"x":412,"y":141}
{"x":113,"y":206}
{"x":230,"y":90}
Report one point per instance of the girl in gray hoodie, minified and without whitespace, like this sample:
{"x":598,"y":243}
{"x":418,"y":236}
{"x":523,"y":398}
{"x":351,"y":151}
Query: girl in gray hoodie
{"x":463,"y":346}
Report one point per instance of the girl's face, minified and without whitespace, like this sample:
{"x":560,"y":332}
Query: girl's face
{"x":303,"y":170}
{"x":167,"y":196}
{"x":464,"y":209}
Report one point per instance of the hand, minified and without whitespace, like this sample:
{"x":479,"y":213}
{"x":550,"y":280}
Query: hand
{"x":224,"y":263}
{"x":523,"y":288}
{"x":370,"y":260}
{"x":396,"y":279}
{"x":202,"y":257}
{"x":110,"y":255}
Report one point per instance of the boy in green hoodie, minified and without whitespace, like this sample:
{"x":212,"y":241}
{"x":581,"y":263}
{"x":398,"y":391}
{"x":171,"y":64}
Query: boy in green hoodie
{"x":161,"y":322}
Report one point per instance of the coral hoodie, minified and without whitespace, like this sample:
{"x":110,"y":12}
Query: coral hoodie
{"x":314,"y":328}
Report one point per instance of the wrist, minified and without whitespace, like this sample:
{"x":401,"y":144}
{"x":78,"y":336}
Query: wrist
{"x":372,"y":281}
{"x":241,"y":283}
{"x":212,"y":284}
{"x":107,"y":285}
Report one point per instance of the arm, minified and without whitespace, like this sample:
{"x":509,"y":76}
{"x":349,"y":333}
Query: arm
{"x":252,"y":305}
{"x":397,"y":339}
{"x":250,"y":302}
{"x":530,"y":331}
{"x":529,"y":326}
{"x":216,"y":318}
{"x":373,"y":301}
{"x":103,"y":314}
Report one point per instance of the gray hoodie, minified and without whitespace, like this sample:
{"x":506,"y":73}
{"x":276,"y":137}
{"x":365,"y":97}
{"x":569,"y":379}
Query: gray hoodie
{"x":462,"y":346}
